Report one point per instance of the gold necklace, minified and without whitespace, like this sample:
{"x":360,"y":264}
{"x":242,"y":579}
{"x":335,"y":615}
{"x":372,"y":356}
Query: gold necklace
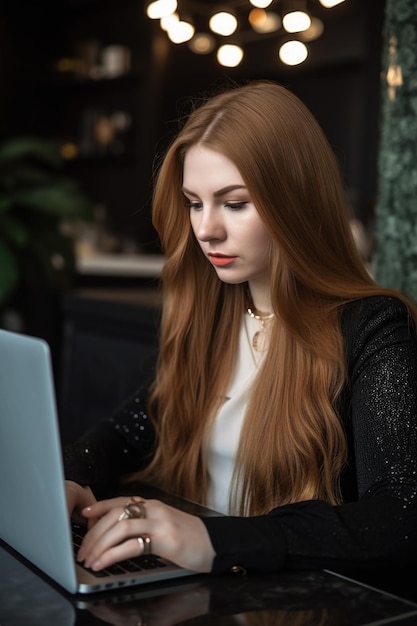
{"x":260,"y":338}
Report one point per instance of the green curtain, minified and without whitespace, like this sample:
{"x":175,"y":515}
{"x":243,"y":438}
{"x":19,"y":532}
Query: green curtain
{"x":395,"y":252}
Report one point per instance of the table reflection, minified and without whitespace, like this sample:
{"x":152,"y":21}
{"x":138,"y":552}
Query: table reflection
{"x":290,"y":599}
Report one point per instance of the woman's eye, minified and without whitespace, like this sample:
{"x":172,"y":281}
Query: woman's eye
{"x":194,"y":205}
{"x":235,"y":206}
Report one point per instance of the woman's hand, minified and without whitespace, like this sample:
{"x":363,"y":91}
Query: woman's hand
{"x":175,"y":535}
{"x":77,"y":499}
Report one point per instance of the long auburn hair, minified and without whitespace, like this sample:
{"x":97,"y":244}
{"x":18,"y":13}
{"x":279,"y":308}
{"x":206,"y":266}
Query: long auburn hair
{"x":292,"y":445}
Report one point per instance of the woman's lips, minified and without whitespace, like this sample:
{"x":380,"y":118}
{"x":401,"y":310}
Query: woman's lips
{"x":221,"y":260}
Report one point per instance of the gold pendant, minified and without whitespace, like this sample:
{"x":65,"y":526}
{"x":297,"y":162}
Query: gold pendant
{"x":260,"y":340}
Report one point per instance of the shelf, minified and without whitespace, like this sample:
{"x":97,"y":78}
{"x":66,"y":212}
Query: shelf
{"x":140,"y":265}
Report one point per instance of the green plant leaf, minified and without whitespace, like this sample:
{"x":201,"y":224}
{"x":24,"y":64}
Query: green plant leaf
{"x":13,"y":231}
{"x":22,"y":175}
{"x":5,"y":203}
{"x":61,"y":198}
{"x":47,"y":152}
{"x":35,"y":197}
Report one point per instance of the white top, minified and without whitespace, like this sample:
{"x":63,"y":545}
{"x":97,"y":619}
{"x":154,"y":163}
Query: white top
{"x":224,"y":437}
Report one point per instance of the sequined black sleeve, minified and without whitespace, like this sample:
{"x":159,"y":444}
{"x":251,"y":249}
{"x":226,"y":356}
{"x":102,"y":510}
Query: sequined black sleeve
{"x":377,"y":523}
{"x":122,"y":444}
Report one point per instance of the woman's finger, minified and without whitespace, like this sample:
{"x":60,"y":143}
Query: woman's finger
{"x":110,"y":529}
{"x":126,"y":550}
{"x":104,"y":506}
{"x":77,"y":499}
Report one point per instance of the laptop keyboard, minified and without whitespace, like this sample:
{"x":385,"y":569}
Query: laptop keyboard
{"x":128,"y":566}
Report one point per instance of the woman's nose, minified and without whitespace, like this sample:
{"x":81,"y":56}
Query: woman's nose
{"x":210,"y":226}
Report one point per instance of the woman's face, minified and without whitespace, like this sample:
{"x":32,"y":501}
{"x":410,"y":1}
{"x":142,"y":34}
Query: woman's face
{"x":224,"y":219}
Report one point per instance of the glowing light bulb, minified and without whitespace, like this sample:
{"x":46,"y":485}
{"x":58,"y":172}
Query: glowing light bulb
{"x":161,"y":8}
{"x":260,"y":4}
{"x":223,"y":23}
{"x":314,"y":32}
{"x":264,"y":21}
{"x":328,"y":4}
{"x":168,"y":22}
{"x":181,"y":32}
{"x":293,"y":52}
{"x":296,"y":21}
{"x":229,"y":55}
{"x":202,"y":43}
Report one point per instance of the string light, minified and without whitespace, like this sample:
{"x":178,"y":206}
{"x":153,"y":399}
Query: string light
{"x":314,"y":32}
{"x":180,"y":32}
{"x":229,"y":55}
{"x":245,"y":26}
{"x":293,"y":52}
{"x":169,"y":21}
{"x":296,"y":21}
{"x":329,"y":4}
{"x":202,"y":43}
{"x":161,"y":8}
{"x":264,"y":21}
{"x":223,"y":23}
{"x":260,"y":4}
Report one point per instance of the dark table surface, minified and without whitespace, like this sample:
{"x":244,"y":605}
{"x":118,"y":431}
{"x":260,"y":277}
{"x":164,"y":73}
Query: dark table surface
{"x":317,"y":598}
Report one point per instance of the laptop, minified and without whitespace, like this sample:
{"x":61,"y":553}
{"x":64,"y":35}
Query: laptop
{"x":34,"y":518}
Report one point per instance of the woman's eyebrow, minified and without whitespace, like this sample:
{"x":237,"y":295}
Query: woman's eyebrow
{"x":218,"y":193}
{"x":225,"y":190}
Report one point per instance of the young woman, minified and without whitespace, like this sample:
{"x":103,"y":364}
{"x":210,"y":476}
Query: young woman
{"x":285,"y":393}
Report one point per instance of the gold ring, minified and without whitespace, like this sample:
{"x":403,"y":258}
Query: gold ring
{"x":145,"y":544}
{"x":133,"y":510}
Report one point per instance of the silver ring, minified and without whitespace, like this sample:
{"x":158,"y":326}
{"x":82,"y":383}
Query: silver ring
{"x":145,"y":544}
{"x":133,"y":510}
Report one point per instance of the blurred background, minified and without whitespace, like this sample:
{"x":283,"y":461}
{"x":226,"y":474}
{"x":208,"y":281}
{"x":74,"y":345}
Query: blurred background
{"x":105,"y":81}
